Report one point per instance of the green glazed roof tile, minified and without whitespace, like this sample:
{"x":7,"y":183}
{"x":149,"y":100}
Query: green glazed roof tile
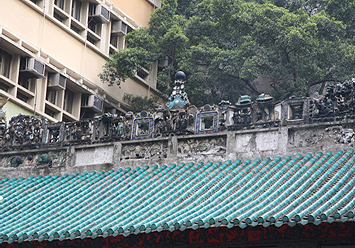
{"x":302,"y":189}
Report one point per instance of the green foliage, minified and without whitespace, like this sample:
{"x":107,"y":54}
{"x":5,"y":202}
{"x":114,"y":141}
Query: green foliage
{"x":163,"y":18}
{"x":139,"y":103}
{"x":123,"y":65}
{"x":164,"y":78}
{"x":140,"y":38}
{"x":224,"y":46}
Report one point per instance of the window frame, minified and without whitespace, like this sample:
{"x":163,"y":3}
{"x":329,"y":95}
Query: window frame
{"x":24,"y":81}
{"x":76,"y":9}
{"x":60,"y":4}
{"x":7,"y":57}
{"x":51,"y":96}
{"x":69,"y":96}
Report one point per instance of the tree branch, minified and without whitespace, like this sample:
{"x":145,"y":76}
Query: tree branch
{"x":323,"y":81}
{"x":246,"y":82}
{"x":287,"y":54}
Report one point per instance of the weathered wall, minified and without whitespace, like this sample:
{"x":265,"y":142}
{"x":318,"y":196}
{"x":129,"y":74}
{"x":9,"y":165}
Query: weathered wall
{"x":244,"y":144}
{"x":12,"y":109}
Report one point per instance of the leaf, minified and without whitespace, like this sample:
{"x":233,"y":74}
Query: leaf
{"x":226,"y":47}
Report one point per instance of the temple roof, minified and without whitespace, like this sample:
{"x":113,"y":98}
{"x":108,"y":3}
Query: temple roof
{"x":305,"y":188}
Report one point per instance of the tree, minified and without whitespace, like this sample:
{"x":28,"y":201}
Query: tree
{"x":139,"y":103}
{"x":224,"y":46}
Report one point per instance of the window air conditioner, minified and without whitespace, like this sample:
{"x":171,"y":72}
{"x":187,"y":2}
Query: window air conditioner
{"x":163,"y":62}
{"x":92,"y":102}
{"x":57,"y":81}
{"x":99,"y":13}
{"x":119,"y":28}
{"x":32,"y":68}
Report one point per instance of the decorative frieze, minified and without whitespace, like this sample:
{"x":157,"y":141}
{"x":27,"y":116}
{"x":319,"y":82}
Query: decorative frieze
{"x":35,"y":159}
{"x":146,"y":150}
{"x":179,"y":118}
{"x":190,"y":147}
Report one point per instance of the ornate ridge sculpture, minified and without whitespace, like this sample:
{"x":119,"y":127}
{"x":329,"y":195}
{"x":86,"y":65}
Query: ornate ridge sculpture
{"x":178,"y":99}
{"x":179,"y":117}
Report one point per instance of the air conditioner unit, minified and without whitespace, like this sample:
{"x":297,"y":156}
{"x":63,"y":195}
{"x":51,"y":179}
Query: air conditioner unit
{"x":119,"y":28}
{"x":163,"y":62}
{"x":32,"y":68}
{"x":92,"y":102}
{"x":57,"y":81}
{"x":99,"y":13}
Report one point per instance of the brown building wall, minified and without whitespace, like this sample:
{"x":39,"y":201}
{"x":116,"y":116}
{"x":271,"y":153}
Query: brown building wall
{"x":139,"y":10}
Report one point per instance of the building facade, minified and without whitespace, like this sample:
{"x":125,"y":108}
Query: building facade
{"x":51,"y":52}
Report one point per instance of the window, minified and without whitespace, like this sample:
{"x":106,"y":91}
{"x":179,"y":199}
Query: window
{"x":38,"y":2}
{"x":68,"y":100}
{"x":92,"y":26}
{"x":5,"y":63}
{"x":91,"y":40}
{"x":85,"y":100}
{"x":92,"y":9}
{"x":4,"y":87}
{"x":114,"y":41}
{"x":49,"y":112}
{"x":22,"y":97}
{"x":95,"y":27}
{"x":75,"y":29}
{"x":24,"y":81}
{"x":76,"y":9}
{"x":51,"y":96}
{"x":58,"y":17}
{"x":59,"y":3}
{"x":95,"y":32}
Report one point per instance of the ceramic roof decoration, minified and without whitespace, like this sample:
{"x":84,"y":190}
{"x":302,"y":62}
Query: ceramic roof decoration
{"x":178,"y":98}
{"x":244,"y":100}
{"x":179,"y":117}
{"x":264,"y":97}
{"x":309,"y":188}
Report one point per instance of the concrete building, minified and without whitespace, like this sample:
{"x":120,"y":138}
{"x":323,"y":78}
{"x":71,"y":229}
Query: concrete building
{"x":51,"y":52}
